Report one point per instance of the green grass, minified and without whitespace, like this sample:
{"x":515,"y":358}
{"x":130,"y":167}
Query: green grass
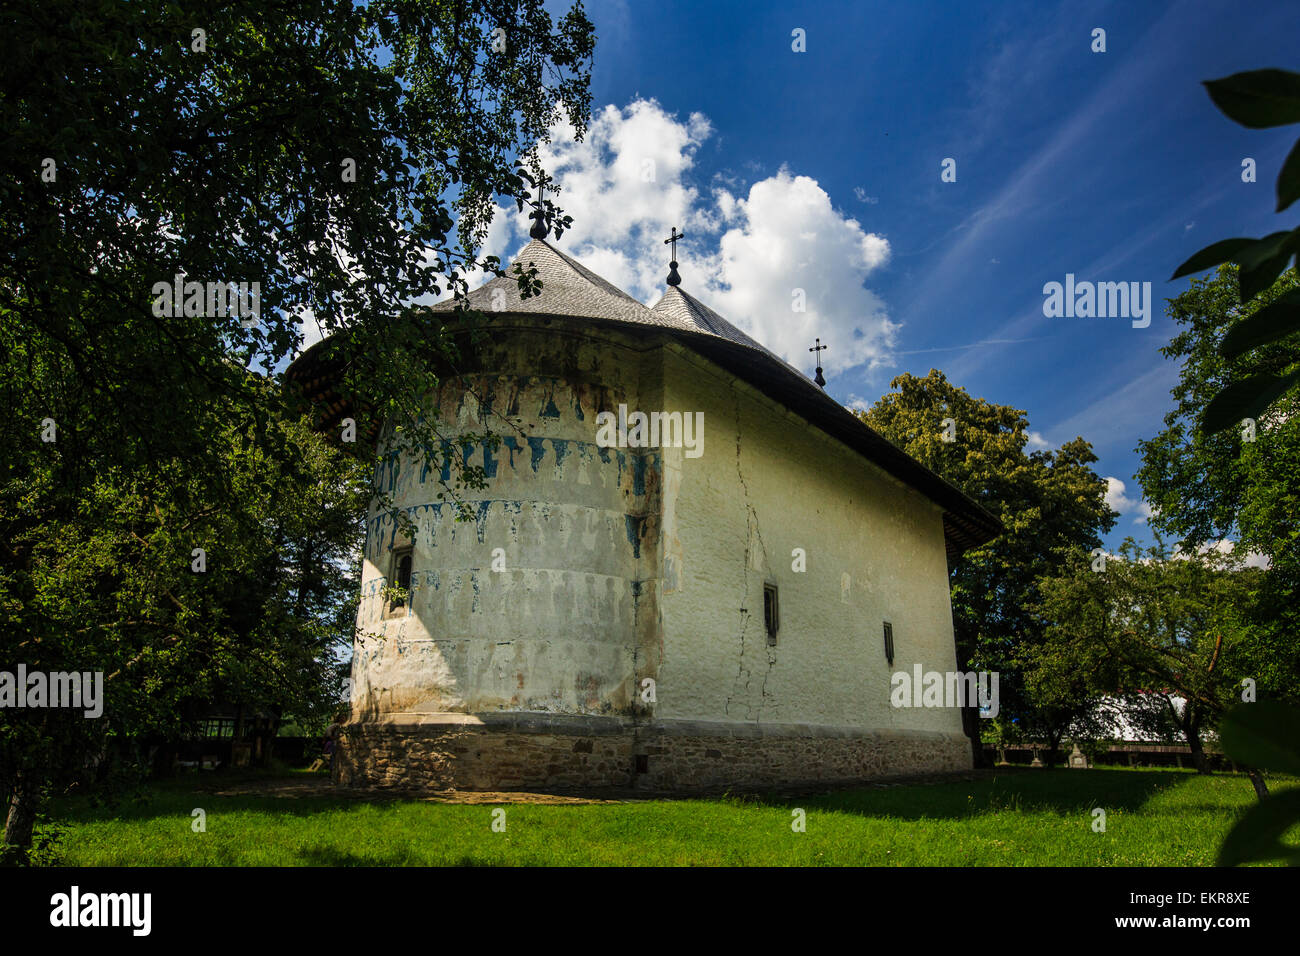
{"x":1011,"y":818}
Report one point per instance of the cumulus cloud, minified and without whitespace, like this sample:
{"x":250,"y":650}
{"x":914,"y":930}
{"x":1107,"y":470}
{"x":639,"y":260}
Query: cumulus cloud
{"x":1120,"y":502}
{"x":776,"y":259}
{"x":1038,"y":443}
{"x":790,"y":267}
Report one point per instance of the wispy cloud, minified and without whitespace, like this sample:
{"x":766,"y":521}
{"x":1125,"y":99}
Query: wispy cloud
{"x":1123,"y":412}
{"x":984,"y":343}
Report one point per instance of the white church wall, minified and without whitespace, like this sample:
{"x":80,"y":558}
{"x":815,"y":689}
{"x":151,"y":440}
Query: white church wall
{"x":557,"y":630}
{"x":769,"y":483}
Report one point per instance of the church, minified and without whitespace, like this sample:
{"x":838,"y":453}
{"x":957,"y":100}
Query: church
{"x":719,"y":607}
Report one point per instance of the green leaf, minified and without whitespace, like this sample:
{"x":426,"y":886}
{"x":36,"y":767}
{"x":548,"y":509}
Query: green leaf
{"x":1262,"y":262}
{"x":1258,"y":98}
{"x":1269,"y":323}
{"x":1288,"y":180}
{"x":1263,"y":735}
{"x":1245,"y":399}
{"x":1258,"y":834}
{"x":1260,"y":251}
{"x":1212,"y":255}
{"x":1256,"y":280}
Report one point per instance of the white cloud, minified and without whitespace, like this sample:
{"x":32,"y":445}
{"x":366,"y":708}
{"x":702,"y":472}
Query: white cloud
{"x":625,"y":185}
{"x":1123,"y":504}
{"x":309,"y":327}
{"x":860,"y":195}
{"x":786,"y":236}
{"x":631,"y":180}
{"x":1250,"y":559}
{"x":1038,"y":443}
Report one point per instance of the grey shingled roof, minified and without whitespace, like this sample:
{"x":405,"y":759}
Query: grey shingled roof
{"x":684,"y":308}
{"x":568,"y":288}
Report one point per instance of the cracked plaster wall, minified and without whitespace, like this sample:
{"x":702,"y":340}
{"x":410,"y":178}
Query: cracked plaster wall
{"x":769,"y":483}
{"x":572,"y":623}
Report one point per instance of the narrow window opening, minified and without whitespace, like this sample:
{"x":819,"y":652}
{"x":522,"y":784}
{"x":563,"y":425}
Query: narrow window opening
{"x":771,"y":613}
{"x":889,"y":643}
{"x":400,"y":579}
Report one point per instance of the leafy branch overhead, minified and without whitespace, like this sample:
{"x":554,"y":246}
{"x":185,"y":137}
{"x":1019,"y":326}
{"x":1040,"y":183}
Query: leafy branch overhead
{"x":1264,"y":735}
{"x":1259,"y":99}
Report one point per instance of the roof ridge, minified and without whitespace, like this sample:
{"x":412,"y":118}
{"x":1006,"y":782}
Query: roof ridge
{"x":583,"y":272}
{"x":713,"y":322}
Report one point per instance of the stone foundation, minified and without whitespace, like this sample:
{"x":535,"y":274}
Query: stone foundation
{"x":551,"y":752}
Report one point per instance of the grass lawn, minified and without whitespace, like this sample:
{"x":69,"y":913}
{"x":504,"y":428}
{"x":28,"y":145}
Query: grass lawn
{"x":1016,"y":817}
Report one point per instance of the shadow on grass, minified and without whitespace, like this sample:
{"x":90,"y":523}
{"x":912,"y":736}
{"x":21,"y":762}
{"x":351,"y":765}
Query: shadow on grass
{"x":1058,"y":791}
{"x":172,"y":799}
{"x":333,"y":856}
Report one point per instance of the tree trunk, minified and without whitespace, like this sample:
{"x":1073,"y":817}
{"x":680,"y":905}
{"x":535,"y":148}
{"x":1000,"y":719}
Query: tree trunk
{"x":1192,"y":731}
{"x":970,"y":721}
{"x":1257,"y":781}
{"x":20,"y":821}
{"x":1054,"y":748}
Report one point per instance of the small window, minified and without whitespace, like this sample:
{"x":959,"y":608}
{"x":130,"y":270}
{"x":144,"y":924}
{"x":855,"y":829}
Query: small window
{"x":889,"y":643}
{"x":771,"y":613}
{"x":400,"y":578}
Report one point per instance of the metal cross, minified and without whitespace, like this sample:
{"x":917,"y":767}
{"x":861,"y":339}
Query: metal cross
{"x":818,"y":349}
{"x":672,"y":239}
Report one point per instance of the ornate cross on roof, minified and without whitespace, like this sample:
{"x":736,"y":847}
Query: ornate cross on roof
{"x":673,"y":277}
{"x":819,"y":348}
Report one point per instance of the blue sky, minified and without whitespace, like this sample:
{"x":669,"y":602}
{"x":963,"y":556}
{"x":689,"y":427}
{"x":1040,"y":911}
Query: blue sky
{"x":1113,"y":166}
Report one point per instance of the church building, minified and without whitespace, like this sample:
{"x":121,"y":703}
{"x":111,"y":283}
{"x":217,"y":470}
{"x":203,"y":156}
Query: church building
{"x":690,"y":568}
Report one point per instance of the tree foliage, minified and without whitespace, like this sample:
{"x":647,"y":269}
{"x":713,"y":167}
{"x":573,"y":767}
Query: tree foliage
{"x":1149,"y":621}
{"x":1242,"y":484}
{"x":1051,"y":503}
{"x":344,"y":156}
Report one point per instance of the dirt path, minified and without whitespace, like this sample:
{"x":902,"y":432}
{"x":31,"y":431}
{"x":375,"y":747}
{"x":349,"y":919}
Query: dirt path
{"x":320,"y":786}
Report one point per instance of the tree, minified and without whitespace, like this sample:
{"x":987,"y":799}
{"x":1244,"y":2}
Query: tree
{"x":1051,"y":503}
{"x":1153,"y":621}
{"x":1239,"y":485}
{"x":175,"y":599}
{"x":345,"y":158}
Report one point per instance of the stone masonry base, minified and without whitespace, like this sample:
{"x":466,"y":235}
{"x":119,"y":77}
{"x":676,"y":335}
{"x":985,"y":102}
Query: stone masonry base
{"x":551,"y":752}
